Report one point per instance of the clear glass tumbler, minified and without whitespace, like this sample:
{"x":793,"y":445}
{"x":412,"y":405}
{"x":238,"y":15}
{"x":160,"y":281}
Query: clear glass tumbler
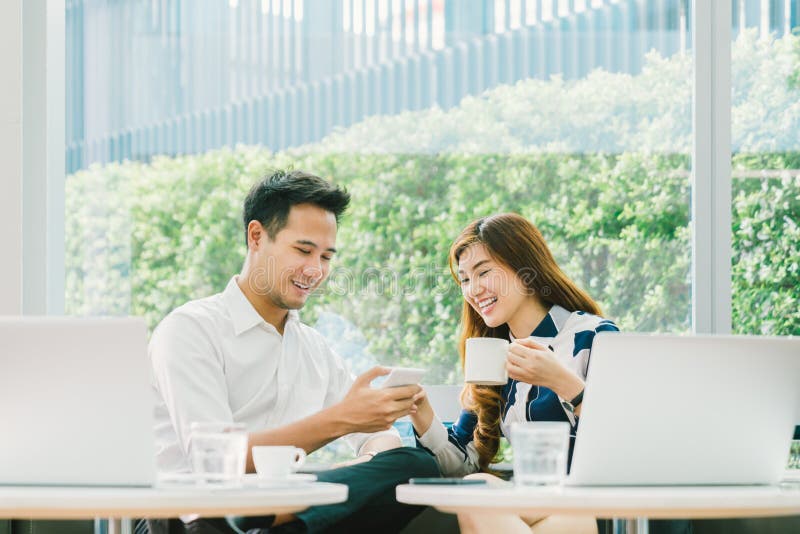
{"x":540,"y":452}
{"x":218,"y":451}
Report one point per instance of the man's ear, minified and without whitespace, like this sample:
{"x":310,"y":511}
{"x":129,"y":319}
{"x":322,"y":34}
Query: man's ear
{"x":255,"y":234}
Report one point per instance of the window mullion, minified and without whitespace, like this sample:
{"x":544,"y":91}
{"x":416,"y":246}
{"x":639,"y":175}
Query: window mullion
{"x":711,"y":163}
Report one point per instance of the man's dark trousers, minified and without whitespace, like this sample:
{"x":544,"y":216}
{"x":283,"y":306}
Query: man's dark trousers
{"x":370,"y":505}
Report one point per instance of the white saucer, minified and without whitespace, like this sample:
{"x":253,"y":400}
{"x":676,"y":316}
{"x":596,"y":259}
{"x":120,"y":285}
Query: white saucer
{"x":253,"y":479}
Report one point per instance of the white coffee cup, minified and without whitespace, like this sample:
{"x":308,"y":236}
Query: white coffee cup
{"x":277,"y":461}
{"x":485,"y":361}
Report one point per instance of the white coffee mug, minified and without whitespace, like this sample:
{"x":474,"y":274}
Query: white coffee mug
{"x":485,"y":361}
{"x":277,"y":461}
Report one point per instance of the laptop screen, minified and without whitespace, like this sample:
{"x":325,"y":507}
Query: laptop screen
{"x":75,"y":402}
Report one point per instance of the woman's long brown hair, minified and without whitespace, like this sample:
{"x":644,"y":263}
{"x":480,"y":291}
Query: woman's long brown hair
{"x":515,"y":242}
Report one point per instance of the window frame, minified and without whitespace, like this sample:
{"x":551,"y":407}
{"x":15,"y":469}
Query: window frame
{"x":33,"y":142}
{"x":11,"y":122}
{"x":711,"y":284}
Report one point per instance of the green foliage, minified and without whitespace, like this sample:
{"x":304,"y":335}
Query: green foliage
{"x":765,"y":105}
{"x":766,"y":251}
{"x":794,"y":455}
{"x":596,"y":211}
{"x":603,"y":112}
{"x":794,"y":77}
{"x":618,"y":225}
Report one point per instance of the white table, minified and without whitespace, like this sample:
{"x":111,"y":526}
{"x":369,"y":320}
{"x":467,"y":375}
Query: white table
{"x":117,"y":503}
{"x":632,"y":503}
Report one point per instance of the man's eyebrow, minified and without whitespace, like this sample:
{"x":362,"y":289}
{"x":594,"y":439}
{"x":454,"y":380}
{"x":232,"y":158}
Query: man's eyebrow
{"x":475,"y":266}
{"x":308,"y":243}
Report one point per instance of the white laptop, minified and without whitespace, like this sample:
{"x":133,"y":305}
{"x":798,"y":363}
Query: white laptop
{"x":76,"y":407}
{"x":686,"y":410}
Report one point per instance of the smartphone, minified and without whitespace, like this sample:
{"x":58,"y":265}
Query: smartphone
{"x":403,"y":376}
{"x":448,"y":481}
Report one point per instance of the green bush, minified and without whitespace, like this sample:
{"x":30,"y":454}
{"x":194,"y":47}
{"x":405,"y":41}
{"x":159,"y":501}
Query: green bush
{"x":766,"y":247}
{"x":603,"y":112}
{"x":619,"y":225}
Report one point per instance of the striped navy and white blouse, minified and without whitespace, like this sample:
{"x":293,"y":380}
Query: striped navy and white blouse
{"x":570,"y":335}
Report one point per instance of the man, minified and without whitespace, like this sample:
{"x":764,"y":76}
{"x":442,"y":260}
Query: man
{"x":244,"y":356}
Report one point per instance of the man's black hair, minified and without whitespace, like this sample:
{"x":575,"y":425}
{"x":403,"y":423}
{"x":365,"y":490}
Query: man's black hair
{"x":270,"y":200}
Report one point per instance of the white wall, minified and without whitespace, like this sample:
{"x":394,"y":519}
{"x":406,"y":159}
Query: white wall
{"x":31,"y":156}
{"x":11,"y":157}
{"x":43,"y":111}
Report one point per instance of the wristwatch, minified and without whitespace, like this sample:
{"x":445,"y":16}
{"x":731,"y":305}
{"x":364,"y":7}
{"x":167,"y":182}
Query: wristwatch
{"x":570,"y":405}
{"x":577,"y":400}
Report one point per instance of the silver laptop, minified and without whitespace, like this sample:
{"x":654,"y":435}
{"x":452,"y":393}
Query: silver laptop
{"x":76,"y":407}
{"x":686,"y":410}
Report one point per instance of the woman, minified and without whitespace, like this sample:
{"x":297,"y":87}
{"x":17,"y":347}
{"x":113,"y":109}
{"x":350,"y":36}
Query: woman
{"x":513,"y":289}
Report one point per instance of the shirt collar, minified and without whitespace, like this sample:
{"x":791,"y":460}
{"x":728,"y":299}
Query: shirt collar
{"x":243,"y":315}
{"x":552,"y":323}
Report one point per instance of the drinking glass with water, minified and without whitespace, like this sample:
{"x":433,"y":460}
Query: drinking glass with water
{"x":540,"y":452}
{"x":218,"y":451}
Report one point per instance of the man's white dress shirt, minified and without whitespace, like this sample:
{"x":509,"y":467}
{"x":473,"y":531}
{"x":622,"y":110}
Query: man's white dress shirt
{"x":216,"y":359}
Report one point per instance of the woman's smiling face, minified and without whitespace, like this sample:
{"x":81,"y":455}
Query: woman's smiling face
{"x":493,"y":290}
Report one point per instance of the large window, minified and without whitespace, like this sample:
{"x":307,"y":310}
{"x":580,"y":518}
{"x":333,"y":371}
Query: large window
{"x":575,"y":114}
{"x":432,"y":112}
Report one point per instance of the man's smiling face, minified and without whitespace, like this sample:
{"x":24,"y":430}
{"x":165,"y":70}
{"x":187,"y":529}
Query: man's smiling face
{"x":296,"y":262}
